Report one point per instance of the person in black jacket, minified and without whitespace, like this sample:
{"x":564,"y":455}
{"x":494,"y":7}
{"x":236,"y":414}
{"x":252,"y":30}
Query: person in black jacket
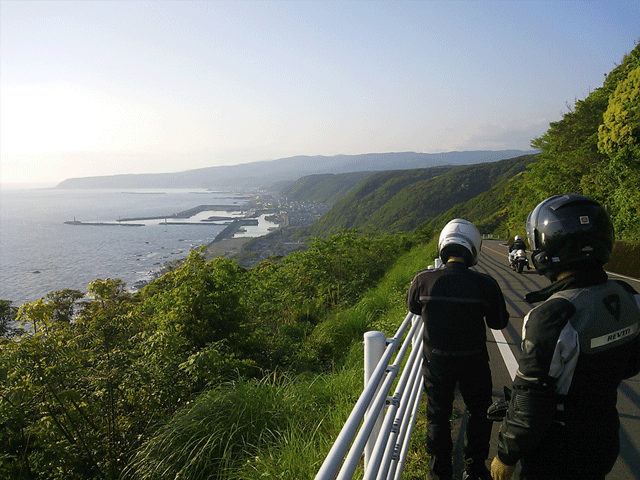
{"x":577,"y":347}
{"x":518,"y":244}
{"x":454,"y":302}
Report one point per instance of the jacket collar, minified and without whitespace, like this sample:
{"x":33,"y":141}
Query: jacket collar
{"x":456,"y":265}
{"x":580,"y":279}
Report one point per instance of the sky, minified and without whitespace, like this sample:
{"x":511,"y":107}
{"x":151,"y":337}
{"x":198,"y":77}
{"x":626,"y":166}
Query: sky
{"x":113,"y":87}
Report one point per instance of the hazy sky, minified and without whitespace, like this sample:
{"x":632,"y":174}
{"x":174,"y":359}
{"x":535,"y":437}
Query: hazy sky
{"x":99,"y":88}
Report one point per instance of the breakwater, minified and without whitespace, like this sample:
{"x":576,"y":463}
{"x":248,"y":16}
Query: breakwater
{"x":104,"y":224}
{"x":189,"y":213}
{"x":231,"y":229}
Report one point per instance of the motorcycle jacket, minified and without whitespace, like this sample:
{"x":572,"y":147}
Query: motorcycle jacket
{"x":577,"y":347}
{"x":454,"y":303}
{"x":517,"y":245}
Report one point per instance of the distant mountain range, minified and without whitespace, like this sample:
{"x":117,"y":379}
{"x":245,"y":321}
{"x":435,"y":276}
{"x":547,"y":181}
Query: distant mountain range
{"x":265,"y":174}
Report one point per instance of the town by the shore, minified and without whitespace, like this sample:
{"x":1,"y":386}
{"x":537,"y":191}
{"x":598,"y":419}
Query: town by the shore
{"x":289,"y":216}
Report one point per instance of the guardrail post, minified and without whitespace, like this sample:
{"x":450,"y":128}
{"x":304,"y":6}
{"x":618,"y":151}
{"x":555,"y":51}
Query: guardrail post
{"x":374,"y":346}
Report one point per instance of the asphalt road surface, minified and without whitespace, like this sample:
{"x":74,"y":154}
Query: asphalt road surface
{"x":504,"y":350}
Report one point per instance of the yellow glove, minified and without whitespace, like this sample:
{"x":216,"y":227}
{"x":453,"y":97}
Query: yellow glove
{"x":500,"y":471}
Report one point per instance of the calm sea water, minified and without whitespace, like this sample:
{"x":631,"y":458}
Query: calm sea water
{"x":39,"y":253}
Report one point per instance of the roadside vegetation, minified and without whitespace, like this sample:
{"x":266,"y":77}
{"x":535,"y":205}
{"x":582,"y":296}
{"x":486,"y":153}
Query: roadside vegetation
{"x":215,"y":371}
{"x":202,"y":373}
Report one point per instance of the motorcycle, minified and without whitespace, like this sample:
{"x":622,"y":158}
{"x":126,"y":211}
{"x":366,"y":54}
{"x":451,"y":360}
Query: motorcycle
{"x":519,"y":261}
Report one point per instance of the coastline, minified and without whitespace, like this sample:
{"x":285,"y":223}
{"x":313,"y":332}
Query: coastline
{"x":68,"y":257}
{"x":224,"y":248}
{"x":225,"y":244}
{"x":42,"y":253}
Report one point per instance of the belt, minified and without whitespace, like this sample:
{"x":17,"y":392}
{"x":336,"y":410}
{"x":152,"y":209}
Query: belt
{"x":455,"y":353}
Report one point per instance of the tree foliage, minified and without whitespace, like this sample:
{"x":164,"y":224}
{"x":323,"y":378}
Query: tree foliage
{"x":621,"y":123}
{"x":89,"y":380}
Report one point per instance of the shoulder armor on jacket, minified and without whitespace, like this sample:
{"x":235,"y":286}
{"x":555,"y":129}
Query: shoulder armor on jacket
{"x":606,"y":316}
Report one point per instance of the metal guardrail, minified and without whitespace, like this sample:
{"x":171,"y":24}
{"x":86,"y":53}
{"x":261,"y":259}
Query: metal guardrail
{"x":380,"y":427}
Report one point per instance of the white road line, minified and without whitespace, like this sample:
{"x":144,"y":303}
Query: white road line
{"x":631,"y":279}
{"x":507,"y":355}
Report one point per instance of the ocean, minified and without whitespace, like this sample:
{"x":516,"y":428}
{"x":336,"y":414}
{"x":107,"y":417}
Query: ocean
{"x":39,"y":253}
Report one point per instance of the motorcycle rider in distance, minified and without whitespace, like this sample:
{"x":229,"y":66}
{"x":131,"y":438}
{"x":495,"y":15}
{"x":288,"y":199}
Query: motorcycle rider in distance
{"x":518,"y":244}
{"x":577,"y":347}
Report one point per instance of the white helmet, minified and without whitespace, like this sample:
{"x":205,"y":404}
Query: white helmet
{"x":461,"y":233}
{"x":517,"y":238}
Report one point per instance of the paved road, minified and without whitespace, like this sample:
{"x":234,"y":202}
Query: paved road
{"x":504,"y":348}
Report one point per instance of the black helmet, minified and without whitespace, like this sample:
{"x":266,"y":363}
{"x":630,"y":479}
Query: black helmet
{"x":569,"y":231}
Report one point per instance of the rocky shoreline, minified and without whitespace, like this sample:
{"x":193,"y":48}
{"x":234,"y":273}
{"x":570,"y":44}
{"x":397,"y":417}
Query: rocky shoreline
{"x":225,"y":248}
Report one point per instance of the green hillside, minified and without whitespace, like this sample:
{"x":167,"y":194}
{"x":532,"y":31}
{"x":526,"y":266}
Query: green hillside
{"x":488,"y":211}
{"x":404,"y":200}
{"x":397,"y":201}
{"x":325,"y":188}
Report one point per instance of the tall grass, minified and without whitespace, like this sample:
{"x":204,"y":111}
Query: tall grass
{"x":282,"y":426}
{"x":302,"y":445}
{"x":239,"y":430}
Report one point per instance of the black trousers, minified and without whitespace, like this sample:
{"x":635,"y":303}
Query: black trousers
{"x":473,"y":376}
